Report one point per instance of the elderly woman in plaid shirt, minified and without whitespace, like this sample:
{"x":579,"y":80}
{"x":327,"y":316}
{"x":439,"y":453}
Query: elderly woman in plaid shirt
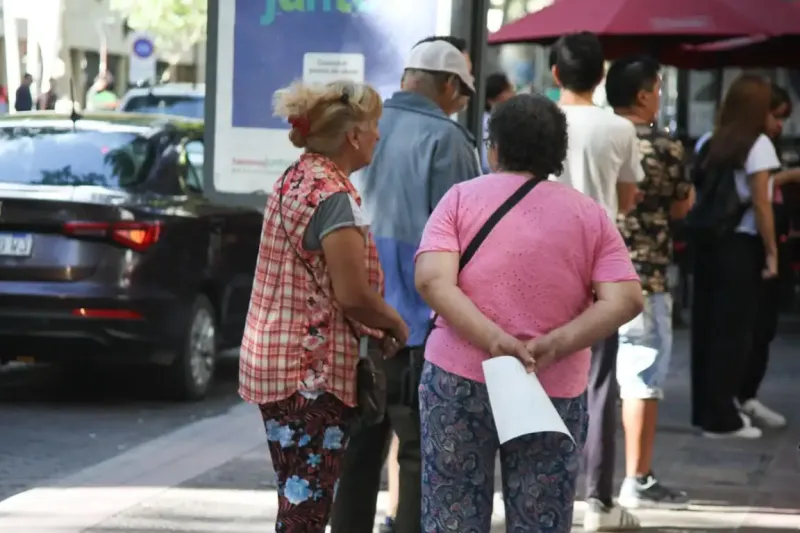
{"x":318,"y":286}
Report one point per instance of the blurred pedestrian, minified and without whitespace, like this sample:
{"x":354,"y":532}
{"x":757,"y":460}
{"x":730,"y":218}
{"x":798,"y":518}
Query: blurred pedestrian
{"x":101,"y":95}
{"x":633,"y":88}
{"x":463,"y":99}
{"x":497,"y":297}
{"x":24,"y":98}
{"x":47,"y":100}
{"x":3,"y":100}
{"x":603,"y":162}
{"x":733,"y":255}
{"x":498,"y":90}
{"x":301,"y":343}
{"x":401,"y":187}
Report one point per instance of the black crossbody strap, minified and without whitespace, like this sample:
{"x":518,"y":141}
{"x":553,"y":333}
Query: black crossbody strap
{"x":492,"y":221}
{"x":486,"y":229}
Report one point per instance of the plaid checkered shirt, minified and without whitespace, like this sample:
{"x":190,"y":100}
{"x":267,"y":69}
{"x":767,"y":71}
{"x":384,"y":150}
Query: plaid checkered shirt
{"x":296,"y":338}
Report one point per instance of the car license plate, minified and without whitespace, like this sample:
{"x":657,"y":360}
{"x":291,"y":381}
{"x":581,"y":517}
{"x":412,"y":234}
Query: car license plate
{"x":16,"y":244}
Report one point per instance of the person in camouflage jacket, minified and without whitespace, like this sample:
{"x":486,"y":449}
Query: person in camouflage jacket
{"x":632,"y":88}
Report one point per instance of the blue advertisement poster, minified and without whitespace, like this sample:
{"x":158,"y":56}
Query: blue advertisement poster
{"x":279,"y":41}
{"x":264,"y":45}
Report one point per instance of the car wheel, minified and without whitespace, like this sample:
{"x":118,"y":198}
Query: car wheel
{"x":192,"y":372}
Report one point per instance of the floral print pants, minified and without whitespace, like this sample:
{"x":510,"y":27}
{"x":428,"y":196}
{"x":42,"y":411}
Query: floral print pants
{"x":307,"y":438}
{"x":459,"y":446}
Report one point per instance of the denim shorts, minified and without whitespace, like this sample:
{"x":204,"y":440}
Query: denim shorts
{"x":645,"y":350}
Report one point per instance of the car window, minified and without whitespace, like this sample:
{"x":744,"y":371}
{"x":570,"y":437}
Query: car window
{"x":179,"y":105}
{"x":63,"y":156}
{"x":195,"y":155}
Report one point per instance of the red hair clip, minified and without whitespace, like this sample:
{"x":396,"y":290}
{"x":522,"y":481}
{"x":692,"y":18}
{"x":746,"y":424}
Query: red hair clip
{"x":301,"y":124}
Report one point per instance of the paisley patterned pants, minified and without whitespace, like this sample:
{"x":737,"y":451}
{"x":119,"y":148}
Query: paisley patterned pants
{"x":459,"y":446}
{"x":307,"y":439}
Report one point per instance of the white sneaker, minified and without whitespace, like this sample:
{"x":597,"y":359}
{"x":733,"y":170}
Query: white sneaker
{"x":747,"y":431}
{"x":598,"y":517}
{"x":763,"y":414}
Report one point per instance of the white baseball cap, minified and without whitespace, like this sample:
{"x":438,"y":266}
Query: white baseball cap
{"x":441,"y":56}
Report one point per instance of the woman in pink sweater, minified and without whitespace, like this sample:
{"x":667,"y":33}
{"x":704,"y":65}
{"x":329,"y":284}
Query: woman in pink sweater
{"x":552,"y":277}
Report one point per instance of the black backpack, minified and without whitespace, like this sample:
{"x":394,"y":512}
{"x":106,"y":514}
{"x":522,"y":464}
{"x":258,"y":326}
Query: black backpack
{"x":718,"y":209}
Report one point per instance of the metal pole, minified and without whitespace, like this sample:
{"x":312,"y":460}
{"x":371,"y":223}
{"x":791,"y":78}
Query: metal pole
{"x":101,"y":33}
{"x":682,"y":108}
{"x":13,"y":75}
{"x":212,"y":39}
{"x":469,"y":22}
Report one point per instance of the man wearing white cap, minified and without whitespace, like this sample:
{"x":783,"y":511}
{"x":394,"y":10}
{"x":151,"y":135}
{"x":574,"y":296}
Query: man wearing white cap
{"x":421,"y":154}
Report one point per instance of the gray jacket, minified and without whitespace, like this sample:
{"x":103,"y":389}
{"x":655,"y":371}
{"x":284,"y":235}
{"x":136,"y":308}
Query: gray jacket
{"x":421,"y":154}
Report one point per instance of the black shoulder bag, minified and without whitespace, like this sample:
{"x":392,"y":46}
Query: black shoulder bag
{"x":370,"y":381}
{"x":412,"y":377}
{"x":718,"y":209}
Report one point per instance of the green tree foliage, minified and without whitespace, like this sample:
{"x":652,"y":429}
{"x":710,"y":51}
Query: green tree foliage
{"x":176,"y":25}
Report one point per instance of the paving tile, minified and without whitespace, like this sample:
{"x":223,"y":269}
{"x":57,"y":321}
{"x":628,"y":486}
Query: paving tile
{"x":746,"y":486}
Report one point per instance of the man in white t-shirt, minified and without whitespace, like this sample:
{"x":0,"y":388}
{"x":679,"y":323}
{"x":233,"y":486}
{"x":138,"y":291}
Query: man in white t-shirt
{"x":602,"y":162}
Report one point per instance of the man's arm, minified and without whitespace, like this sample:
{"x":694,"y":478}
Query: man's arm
{"x":784,"y":177}
{"x":680,"y":208}
{"x":631,"y":172}
{"x":627,"y":196}
{"x":453,"y":161}
{"x":683,"y":193}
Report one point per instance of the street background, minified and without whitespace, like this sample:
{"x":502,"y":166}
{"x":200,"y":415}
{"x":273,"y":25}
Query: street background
{"x":54,"y":424}
{"x":85,"y":451}
{"x":101,"y":458}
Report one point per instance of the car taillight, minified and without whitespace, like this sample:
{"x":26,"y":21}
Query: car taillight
{"x":113,"y":314}
{"x":138,"y":236}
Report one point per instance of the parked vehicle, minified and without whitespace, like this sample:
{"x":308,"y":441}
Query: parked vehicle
{"x":181,"y":99}
{"x":111,"y":253}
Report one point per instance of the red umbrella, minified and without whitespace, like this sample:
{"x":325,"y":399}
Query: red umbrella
{"x":626,"y":24}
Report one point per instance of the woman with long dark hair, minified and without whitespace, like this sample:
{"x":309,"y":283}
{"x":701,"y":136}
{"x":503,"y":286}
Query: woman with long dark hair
{"x":732,"y":261}
{"x":771,"y":289}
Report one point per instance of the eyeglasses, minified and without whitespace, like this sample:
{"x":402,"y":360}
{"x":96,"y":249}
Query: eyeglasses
{"x":461,"y":87}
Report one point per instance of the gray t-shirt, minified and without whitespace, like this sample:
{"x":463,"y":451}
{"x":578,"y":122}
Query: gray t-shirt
{"x":335,"y":212}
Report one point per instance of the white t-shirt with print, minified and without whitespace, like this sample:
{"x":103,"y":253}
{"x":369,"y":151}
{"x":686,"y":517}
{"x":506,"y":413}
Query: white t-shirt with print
{"x":603,"y":149}
{"x":762,"y":156}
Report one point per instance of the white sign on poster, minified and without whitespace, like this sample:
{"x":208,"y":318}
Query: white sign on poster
{"x":142,"y":60}
{"x":327,"y":68}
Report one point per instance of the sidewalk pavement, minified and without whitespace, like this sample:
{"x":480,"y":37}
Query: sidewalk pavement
{"x":214,"y":476}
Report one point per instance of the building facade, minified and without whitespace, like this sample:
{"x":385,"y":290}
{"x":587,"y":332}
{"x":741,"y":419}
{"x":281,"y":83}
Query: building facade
{"x":71,"y":41}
